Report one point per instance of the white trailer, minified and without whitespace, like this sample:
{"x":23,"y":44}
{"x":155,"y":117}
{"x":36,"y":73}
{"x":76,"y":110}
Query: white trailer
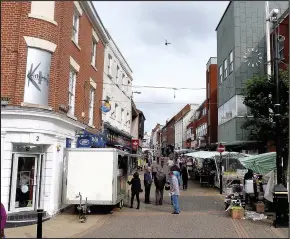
{"x":97,"y":174}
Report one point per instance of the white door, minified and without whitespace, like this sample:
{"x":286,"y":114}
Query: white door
{"x":24,"y":183}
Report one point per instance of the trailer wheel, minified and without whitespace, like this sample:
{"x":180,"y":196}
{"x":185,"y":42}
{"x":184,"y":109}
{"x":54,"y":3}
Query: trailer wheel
{"x":121,"y":204}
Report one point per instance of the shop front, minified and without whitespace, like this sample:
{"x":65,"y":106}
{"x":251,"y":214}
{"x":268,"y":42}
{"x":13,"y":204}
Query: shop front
{"x":32,"y":144}
{"x":115,"y":138}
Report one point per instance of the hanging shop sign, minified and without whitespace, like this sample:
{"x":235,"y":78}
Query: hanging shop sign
{"x":37,"y":76}
{"x":106,"y":107}
{"x":135,"y":144}
{"x":116,"y":140}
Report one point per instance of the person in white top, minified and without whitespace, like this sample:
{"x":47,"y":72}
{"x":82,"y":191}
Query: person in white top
{"x":170,"y":163}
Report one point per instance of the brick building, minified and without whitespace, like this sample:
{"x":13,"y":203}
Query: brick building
{"x":51,"y":87}
{"x":211,"y":99}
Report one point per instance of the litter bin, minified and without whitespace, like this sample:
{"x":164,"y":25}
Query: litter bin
{"x":281,"y":204}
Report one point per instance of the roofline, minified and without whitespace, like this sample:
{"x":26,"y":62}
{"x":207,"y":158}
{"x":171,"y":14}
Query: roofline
{"x":96,"y":21}
{"x":110,"y":37}
{"x":223,"y":15}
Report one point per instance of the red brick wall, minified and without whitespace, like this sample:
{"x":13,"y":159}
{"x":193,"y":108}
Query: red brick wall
{"x":15,"y":24}
{"x":171,"y":132}
{"x":211,"y":75}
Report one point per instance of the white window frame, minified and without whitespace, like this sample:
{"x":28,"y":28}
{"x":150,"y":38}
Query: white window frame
{"x":91,"y":106}
{"x":76,"y":22}
{"x":110,"y":60}
{"x":116,"y":111}
{"x":231,"y":61}
{"x":117,"y":75}
{"x":94,"y":52}
{"x":122,"y":115}
{"x":221,"y":73}
{"x":72,"y":91}
{"x":225,"y":68}
{"x":124,"y":82}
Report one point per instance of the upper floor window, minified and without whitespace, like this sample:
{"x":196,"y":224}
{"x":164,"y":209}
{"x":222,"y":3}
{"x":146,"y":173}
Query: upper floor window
{"x":117,"y":75}
{"x":231,"y":61}
{"x":94,"y":52}
{"x":76,"y":23}
{"x":221,"y":73}
{"x":225,"y":68}
{"x":124,"y":82}
{"x":91,"y":106}
{"x":71,"y":91}
{"x":117,"y":111}
{"x":122,"y":115}
{"x":204,"y":111}
{"x":110,"y":59}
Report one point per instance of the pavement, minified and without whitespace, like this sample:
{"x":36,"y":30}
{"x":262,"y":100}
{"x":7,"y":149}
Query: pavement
{"x":202,"y":215}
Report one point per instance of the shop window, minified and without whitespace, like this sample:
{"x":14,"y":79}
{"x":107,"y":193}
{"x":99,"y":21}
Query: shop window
{"x":241,"y":107}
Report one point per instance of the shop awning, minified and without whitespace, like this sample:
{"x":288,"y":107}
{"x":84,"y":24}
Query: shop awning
{"x":261,"y":163}
{"x":211,"y":154}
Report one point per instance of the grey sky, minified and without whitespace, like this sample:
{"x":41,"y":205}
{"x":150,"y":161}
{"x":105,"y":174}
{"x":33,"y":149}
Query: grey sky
{"x":140,"y":29}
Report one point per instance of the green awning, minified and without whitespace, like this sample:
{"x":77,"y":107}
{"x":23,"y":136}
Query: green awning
{"x":261,"y":163}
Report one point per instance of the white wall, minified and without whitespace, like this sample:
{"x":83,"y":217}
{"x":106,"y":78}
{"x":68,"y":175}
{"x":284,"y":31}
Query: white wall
{"x":22,"y":127}
{"x":118,"y":94}
{"x":178,"y":134}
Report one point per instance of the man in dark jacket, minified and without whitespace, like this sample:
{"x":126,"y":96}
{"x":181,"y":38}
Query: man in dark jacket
{"x":159,"y":181}
{"x":135,"y":189}
{"x":147,"y":184}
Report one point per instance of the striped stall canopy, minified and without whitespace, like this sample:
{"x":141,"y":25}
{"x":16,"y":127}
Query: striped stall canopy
{"x":261,"y":163}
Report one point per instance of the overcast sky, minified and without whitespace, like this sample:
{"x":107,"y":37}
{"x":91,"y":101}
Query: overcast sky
{"x":140,"y":29}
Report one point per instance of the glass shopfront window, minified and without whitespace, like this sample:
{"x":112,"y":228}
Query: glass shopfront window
{"x":231,"y":109}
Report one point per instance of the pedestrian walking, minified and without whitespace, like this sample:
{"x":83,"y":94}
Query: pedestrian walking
{"x":3,"y":220}
{"x":147,"y":184}
{"x":159,"y":181}
{"x":174,"y":193}
{"x":135,"y":189}
{"x":184,"y":176}
{"x":170,"y":162}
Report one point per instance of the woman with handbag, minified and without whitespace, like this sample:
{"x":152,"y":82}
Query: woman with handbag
{"x":135,"y":189}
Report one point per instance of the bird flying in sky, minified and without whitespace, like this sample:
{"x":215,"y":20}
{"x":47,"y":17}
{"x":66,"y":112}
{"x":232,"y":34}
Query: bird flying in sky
{"x":167,"y":43}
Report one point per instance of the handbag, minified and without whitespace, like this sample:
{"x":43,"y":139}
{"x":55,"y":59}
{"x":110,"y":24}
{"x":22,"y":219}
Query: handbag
{"x":141,"y":190}
{"x":167,"y":186}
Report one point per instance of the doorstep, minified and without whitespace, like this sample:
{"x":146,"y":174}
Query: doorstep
{"x":20,"y":219}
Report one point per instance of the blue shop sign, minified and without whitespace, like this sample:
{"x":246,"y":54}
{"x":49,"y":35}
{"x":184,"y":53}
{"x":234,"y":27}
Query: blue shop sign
{"x":88,"y":141}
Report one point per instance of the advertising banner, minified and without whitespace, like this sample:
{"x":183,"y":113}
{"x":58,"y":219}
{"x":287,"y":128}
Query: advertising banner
{"x":135,"y":144}
{"x":37,"y":76}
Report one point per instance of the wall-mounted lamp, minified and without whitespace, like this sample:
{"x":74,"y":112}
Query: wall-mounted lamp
{"x":58,"y":147}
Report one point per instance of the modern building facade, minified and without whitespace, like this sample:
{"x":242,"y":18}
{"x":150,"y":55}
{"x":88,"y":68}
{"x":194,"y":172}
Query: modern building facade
{"x":51,"y":89}
{"x":211,"y":99}
{"x":241,"y":54}
{"x":117,"y":91}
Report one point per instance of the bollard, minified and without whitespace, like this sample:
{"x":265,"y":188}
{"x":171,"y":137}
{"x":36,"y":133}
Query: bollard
{"x":39,"y":223}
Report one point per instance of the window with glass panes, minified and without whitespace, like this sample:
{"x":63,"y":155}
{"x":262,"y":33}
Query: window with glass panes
{"x":94,"y":52}
{"x":231,"y":61}
{"x":221,"y":73}
{"x":71,"y":91}
{"x":91,"y":106}
{"x":225,"y":68}
{"x":75,"y":33}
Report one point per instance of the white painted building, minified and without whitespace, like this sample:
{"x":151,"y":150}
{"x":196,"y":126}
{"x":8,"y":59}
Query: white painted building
{"x":117,"y":88}
{"x":146,"y":140}
{"x":180,"y":127}
{"x":32,"y":143}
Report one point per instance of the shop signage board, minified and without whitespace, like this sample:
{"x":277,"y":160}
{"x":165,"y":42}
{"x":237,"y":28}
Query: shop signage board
{"x":135,"y":144}
{"x":37,"y":76}
{"x":91,"y":140}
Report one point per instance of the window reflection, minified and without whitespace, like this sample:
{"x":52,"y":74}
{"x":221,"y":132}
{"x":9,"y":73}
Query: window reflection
{"x":231,"y":109}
